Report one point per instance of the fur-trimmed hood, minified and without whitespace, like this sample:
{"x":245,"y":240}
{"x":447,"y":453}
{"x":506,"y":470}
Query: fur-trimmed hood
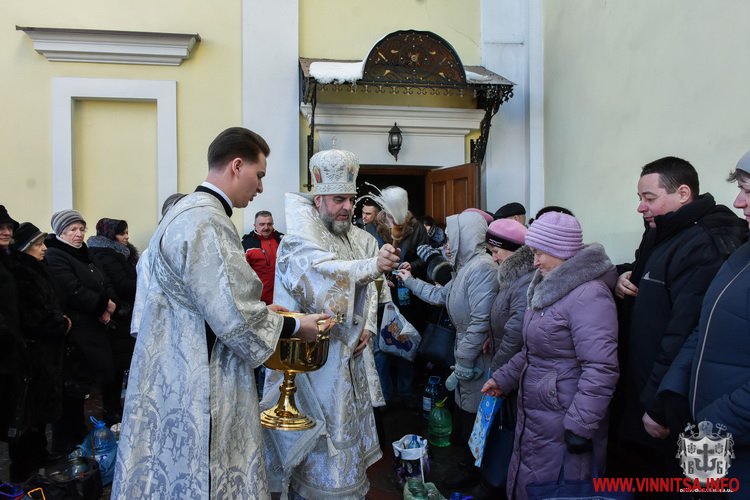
{"x":515,"y":266}
{"x":99,"y":241}
{"x":590,"y":263}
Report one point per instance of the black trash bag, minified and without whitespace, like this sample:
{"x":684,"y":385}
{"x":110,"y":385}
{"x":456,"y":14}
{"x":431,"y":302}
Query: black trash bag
{"x":75,"y":478}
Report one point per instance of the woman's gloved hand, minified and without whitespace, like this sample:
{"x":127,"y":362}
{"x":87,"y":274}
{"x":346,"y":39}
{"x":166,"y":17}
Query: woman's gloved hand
{"x":577,"y":444}
{"x":461,"y":372}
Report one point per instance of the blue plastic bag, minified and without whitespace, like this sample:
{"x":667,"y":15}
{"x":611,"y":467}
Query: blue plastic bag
{"x":486,"y":412}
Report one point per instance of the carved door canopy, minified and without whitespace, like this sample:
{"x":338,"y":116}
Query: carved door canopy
{"x":414,"y":63}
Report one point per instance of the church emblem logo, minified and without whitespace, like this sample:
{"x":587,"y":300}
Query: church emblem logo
{"x":704,"y":454}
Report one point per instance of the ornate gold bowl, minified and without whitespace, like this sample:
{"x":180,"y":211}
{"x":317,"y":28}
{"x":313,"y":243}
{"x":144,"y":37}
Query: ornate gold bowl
{"x":293,"y":356}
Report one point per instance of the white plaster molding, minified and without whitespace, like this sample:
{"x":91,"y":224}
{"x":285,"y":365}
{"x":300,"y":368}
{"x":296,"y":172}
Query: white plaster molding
{"x":448,"y":120}
{"x":67,"y":90}
{"x":107,"y":46}
{"x":431,"y":136}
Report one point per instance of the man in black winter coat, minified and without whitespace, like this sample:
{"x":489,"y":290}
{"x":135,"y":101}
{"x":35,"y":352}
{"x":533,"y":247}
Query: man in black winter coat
{"x":687,"y":238}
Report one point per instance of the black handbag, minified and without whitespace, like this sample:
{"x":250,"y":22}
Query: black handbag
{"x":499,"y":448}
{"x":438,"y":342}
{"x":22,"y":415}
{"x":20,"y":421}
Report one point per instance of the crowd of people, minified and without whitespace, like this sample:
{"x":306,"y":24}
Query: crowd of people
{"x":66,"y":325}
{"x":601,"y":367}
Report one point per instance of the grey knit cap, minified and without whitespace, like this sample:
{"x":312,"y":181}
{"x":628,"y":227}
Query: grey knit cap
{"x":744,"y":163}
{"x":62,"y":219}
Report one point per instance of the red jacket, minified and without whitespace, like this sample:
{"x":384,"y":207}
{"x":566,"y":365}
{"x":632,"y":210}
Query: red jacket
{"x":261,"y":255}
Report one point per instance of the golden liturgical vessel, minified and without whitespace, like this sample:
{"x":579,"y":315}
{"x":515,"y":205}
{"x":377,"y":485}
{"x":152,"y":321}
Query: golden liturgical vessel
{"x":293,"y":356}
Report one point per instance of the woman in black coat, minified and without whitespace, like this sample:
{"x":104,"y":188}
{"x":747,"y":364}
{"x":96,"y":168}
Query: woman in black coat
{"x":13,"y":369}
{"x":44,"y":327}
{"x":114,"y":255}
{"x":117,"y":258}
{"x":11,"y":341}
{"x":89,"y":300}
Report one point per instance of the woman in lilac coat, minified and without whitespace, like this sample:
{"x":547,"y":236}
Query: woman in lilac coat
{"x":567,"y":370}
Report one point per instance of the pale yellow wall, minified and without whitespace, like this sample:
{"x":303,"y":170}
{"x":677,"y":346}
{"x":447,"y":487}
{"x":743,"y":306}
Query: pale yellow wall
{"x":209,"y":92}
{"x":346,"y":29}
{"x":630,"y":81}
{"x":208,"y":89}
{"x":114,"y":164}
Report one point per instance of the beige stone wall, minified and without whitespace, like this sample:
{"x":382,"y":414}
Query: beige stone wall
{"x":208,"y":100}
{"x":630,"y":81}
{"x":342,"y":29}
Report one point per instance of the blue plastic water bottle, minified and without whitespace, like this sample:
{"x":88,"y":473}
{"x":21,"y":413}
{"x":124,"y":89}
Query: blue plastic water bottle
{"x":431,"y":394}
{"x":104,"y":449}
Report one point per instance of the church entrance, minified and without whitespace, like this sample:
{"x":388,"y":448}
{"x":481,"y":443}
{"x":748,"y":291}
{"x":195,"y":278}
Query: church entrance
{"x":411,"y":179}
{"x":438,"y":192}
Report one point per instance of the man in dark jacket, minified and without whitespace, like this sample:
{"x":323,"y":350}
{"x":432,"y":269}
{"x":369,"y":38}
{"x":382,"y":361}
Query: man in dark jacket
{"x":260,"y":246}
{"x":411,"y":306}
{"x":370,"y":211}
{"x":687,"y":239}
{"x":713,"y":367}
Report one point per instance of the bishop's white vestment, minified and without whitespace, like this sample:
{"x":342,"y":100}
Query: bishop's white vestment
{"x":318,"y":272}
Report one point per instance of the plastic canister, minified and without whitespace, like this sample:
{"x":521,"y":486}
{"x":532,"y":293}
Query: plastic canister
{"x":103,"y":445}
{"x":439,"y":425}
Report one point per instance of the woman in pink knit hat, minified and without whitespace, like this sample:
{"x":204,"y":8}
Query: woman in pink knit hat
{"x":505,"y":239}
{"x":567,"y":369}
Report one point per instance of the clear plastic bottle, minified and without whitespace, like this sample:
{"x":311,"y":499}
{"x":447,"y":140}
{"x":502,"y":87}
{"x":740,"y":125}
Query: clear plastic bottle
{"x":124,"y":388}
{"x":415,"y":489}
{"x":104,"y":449}
{"x":439,"y":425}
{"x":431,"y":394}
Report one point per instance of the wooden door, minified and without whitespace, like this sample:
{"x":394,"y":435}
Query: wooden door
{"x":451,"y":190}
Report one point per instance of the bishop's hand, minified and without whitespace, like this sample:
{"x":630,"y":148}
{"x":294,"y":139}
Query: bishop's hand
{"x":388,"y":258}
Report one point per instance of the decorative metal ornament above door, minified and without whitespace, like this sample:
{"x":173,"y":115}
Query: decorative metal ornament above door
{"x":408,"y":62}
{"x":416,"y":57}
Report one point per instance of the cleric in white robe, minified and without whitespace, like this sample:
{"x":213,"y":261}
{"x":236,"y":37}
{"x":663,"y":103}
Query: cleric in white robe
{"x":191,"y":426}
{"x":325,"y":264}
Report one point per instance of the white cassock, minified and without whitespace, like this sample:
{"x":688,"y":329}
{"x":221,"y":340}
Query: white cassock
{"x":186,"y":417}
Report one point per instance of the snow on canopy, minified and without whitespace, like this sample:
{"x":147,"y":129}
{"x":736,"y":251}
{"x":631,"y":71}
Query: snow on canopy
{"x":349,"y":72}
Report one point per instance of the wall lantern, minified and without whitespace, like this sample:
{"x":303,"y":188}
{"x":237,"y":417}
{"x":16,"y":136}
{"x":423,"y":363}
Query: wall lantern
{"x":394,"y":140}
